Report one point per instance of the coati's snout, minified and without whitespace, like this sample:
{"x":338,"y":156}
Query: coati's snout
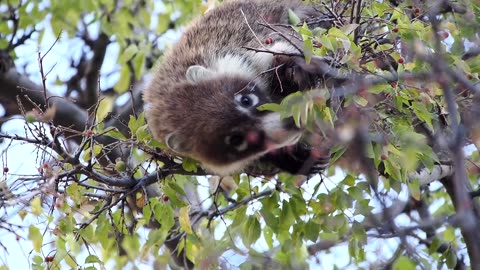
{"x":232,"y":151}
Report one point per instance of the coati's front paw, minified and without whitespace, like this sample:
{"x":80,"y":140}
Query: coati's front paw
{"x":294,"y":74}
{"x":320,"y":164}
{"x":299,"y":159}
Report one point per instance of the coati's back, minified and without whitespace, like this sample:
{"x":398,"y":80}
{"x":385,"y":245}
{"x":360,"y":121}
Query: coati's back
{"x":203,"y":99}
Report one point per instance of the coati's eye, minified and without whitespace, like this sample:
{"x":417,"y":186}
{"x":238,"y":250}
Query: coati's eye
{"x":246,"y":101}
{"x":237,"y":140}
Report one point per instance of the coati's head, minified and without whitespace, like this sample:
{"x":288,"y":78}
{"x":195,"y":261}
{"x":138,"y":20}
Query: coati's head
{"x":213,"y":118}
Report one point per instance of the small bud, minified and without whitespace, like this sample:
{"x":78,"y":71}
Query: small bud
{"x":30,"y":117}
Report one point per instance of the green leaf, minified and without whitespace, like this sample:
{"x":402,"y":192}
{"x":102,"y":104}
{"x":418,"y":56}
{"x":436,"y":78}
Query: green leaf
{"x":403,"y":263}
{"x":36,"y":237}
{"x":114,"y":133}
{"x":127,"y":54}
{"x":164,"y":214}
{"x":92,"y":259}
{"x":451,"y":258}
{"x":142,"y":133}
{"x":360,"y":100}
{"x":312,"y":231}
{"x":251,"y":230}
{"x":123,"y":83}
{"x":135,"y":123}
{"x":293,"y":18}
{"x":414,"y":188}
{"x":184,"y":219}
{"x":189,"y":165}
{"x":270,"y":107}
{"x":139,"y":64}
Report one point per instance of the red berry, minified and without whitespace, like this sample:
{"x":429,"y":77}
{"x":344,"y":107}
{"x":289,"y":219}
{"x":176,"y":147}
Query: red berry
{"x":165,"y":198}
{"x":49,"y":259}
{"x":363,"y":91}
{"x":401,"y":60}
{"x":444,"y":34}
{"x":384,"y":156}
{"x":469,"y":77}
{"x":45,"y":166}
{"x":89,"y":133}
{"x":395,"y":30}
{"x":5,"y":169}
{"x":268,"y":40}
{"x":416,"y":10}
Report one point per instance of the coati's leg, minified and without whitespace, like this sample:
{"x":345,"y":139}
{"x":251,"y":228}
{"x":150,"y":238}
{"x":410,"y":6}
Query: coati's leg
{"x":292,"y":73}
{"x":298,"y":159}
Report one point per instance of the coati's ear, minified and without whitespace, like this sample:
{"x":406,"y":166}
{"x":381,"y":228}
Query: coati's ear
{"x":198,"y":73}
{"x":177,"y":143}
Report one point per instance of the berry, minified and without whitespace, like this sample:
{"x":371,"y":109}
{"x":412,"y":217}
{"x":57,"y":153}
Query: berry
{"x":268,"y":41}
{"x":30,"y":117}
{"x":395,"y":30}
{"x":165,"y":198}
{"x":120,"y":166}
{"x":89,"y":133}
{"x":469,"y":76}
{"x":401,"y":60}
{"x":443,"y":34}
{"x":5,"y":169}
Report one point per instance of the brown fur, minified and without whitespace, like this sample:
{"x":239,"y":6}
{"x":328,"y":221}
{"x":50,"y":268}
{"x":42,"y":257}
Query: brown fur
{"x":203,"y":112}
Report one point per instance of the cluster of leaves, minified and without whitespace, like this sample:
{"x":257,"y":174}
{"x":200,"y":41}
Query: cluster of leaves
{"x":114,"y":197}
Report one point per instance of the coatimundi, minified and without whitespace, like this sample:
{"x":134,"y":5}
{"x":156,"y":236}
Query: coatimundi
{"x":203,"y":99}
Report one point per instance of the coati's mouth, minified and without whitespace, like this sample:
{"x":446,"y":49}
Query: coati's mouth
{"x":289,"y":138}
{"x":279,"y":132}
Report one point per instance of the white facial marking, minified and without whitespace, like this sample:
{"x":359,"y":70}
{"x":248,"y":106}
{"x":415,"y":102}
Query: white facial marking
{"x":233,"y":65}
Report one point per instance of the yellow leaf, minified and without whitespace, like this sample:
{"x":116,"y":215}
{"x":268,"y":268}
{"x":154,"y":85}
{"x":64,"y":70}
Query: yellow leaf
{"x":36,"y":205}
{"x":105,"y":106}
{"x":36,"y":237}
{"x":184,"y":219}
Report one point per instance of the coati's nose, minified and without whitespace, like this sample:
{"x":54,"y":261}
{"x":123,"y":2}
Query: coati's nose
{"x":255,"y":137}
